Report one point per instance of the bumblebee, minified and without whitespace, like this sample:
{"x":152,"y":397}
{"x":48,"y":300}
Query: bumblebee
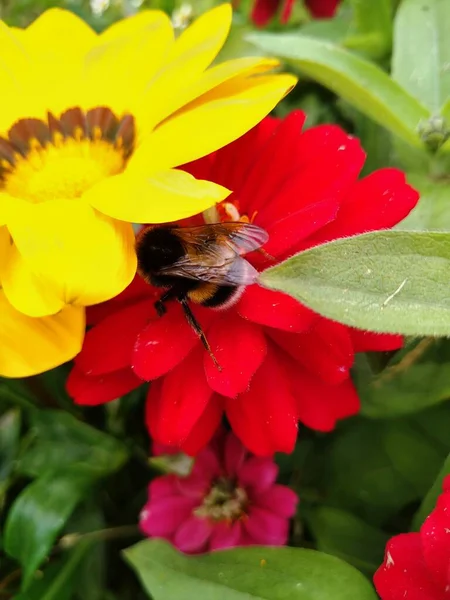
{"x":203,"y":264}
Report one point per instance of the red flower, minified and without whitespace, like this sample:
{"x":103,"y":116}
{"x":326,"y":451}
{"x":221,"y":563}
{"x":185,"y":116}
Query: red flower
{"x":416,"y":565}
{"x":281,"y":362}
{"x":264,"y":11}
{"x":229,"y":499}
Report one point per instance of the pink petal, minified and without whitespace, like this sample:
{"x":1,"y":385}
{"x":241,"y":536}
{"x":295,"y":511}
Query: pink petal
{"x":274,"y":309}
{"x":258,"y":474}
{"x":280,"y":500}
{"x":162,"y":517}
{"x":163,"y":344}
{"x":225,"y":535}
{"x":207,"y":464}
{"x":240,"y":348}
{"x":91,"y":391}
{"x":265,"y":417}
{"x":192,"y":536}
{"x":234,"y":454}
{"x":162,"y":487}
{"x":264,"y":527}
{"x":109,"y":345}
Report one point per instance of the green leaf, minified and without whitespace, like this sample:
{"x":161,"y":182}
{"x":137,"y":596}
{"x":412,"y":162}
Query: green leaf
{"x":61,"y":440}
{"x":262,"y":573}
{"x":59,"y":580}
{"x":38,"y":515}
{"x":9,"y":444}
{"x":429,"y":502}
{"x":372,"y":22}
{"x":418,"y":378}
{"x":421,"y":56}
{"x":346,"y":536}
{"x":396,"y":462}
{"x":433,"y":210}
{"x":385,"y":281}
{"x":360,"y":82}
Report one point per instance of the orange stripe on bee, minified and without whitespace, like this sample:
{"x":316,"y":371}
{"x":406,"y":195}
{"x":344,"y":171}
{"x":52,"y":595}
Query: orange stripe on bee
{"x":203,"y":293}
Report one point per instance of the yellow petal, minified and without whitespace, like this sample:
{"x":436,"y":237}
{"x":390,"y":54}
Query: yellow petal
{"x":5,"y":243}
{"x":211,"y":122}
{"x":86,"y":256}
{"x":151,"y":108}
{"x":26,"y":290}
{"x":118,"y":69}
{"x":9,"y":205}
{"x":133,"y":24}
{"x":29,"y":346}
{"x":58,"y":40}
{"x":209,"y":31}
{"x":157,"y":198}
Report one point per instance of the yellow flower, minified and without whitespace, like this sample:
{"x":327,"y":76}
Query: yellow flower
{"x":92,"y":130}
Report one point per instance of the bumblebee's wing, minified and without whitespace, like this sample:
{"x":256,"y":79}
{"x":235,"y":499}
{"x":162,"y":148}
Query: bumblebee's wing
{"x":214,"y":253}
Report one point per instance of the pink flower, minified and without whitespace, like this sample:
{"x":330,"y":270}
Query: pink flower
{"x":229,"y":499}
{"x":417,"y":565}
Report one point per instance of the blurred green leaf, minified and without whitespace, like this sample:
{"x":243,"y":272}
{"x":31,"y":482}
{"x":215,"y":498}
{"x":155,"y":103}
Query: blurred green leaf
{"x":421,"y":57}
{"x":360,"y":82}
{"x":342,"y":534}
{"x":385,"y":281}
{"x":39,"y":514}
{"x":262,"y":573}
{"x":433,"y":209}
{"x":373,"y":27}
{"x":59,"y":580}
{"x":429,"y":502}
{"x":395,"y":463}
{"x":61,"y":440}
{"x":9,"y":445}
{"x":417,"y":379}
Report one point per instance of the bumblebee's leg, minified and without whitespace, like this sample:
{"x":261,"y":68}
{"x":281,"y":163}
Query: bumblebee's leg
{"x":160,"y":305}
{"x":197,"y":328}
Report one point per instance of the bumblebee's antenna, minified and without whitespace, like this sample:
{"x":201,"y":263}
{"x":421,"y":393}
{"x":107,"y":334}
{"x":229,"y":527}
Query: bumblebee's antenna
{"x":198,"y":330}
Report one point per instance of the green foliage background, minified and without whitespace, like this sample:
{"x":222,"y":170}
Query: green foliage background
{"x":72,"y":481}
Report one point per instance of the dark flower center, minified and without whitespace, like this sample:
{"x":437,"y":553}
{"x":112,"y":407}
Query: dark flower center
{"x":225,"y":501}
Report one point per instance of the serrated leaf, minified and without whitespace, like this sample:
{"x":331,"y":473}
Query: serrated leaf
{"x":260,"y":573}
{"x":417,"y":379}
{"x":358,"y":81}
{"x":421,"y":56}
{"x":385,"y":281}
{"x":39,"y":514}
{"x":346,"y":536}
{"x":61,"y":440}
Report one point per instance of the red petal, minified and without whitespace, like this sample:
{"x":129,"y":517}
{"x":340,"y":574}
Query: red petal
{"x":366,"y":341}
{"x":325,"y":349}
{"x":296,"y":226}
{"x":274,"y":309}
{"x":322,"y":9}
{"x":263,"y":11}
{"x":137,"y":290}
{"x":234,"y":454}
{"x":434,"y":534}
{"x":325,"y":165}
{"x":109,"y":345}
{"x":320,"y":404}
{"x":175,"y":405}
{"x":404,"y":573}
{"x":288,"y":7}
{"x":264,"y":417}
{"x":99,"y":389}
{"x":164,"y":343}
{"x":239,"y":347}
{"x":379,"y":201}
{"x":205,"y":427}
